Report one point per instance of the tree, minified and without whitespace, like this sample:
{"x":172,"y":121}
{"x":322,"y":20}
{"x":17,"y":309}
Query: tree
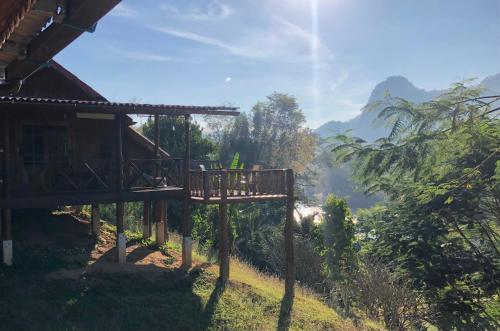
{"x":273,"y":134}
{"x":172,"y":131}
{"x":338,"y":232}
{"x":438,"y":166}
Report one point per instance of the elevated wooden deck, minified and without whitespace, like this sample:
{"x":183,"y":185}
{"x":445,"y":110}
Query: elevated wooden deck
{"x":92,"y":182}
{"x":237,"y":186}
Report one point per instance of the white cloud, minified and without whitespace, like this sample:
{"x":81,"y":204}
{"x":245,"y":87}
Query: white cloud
{"x":195,"y":37}
{"x":281,"y":41}
{"x":143,"y":56}
{"x":214,"y":9}
{"x":122,"y":10}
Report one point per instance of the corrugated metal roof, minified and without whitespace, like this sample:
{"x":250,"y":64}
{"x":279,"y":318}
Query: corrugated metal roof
{"x":119,"y":107}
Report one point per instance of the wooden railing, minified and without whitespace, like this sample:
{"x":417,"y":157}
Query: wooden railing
{"x":65,"y":177}
{"x":153,"y":173}
{"x":240,"y":183}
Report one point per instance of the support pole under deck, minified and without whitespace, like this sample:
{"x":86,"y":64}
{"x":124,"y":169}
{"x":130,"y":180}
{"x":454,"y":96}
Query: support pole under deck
{"x":186,"y":212}
{"x":288,"y":233}
{"x":121,"y":239}
{"x":5,"y":214}
{"x":223,"y":232}
{"x":146,"y":220}
{"x":7,"y":236}
{"x":96,"y":220}
{"x":160,"y":225}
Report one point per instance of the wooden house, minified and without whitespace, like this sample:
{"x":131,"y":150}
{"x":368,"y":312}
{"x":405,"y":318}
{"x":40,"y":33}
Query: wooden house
{"x":62,"y":143}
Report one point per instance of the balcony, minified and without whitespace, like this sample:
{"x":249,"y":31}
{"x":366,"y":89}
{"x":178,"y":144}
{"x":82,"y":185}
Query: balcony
{"x":84,"y":182}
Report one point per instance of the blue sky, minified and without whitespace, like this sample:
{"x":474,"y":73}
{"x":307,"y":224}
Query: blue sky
{"x":328,"y":53}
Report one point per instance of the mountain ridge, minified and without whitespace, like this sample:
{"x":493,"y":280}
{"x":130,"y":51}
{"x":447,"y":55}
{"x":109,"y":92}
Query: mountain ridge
{"x":398,"y":86}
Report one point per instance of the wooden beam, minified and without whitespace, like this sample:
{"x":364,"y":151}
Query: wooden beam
{"x":6,"y":155}
{"x":146,"y":220}
{"x":157,"y":135}
{"x":81,"y":13}
{"x":223,"y":232}
{"x":288,"y":234}
{"x":119,"y":154}
{"x":73,"y":199}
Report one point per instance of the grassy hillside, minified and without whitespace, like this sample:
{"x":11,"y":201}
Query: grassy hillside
{"x":74,"y":285}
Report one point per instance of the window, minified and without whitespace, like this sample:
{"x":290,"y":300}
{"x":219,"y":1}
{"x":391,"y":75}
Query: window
{"x":44,"y":143}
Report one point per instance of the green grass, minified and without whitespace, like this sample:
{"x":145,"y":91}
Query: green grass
{"x":173,"y":300}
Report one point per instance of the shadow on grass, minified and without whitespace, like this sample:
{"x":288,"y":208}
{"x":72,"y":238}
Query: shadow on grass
{"x":285,"y":318}
{"x":212,"y":303}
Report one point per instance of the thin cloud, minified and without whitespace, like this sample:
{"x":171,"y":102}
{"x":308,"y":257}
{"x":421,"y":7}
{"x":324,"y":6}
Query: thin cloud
{"x":195,"y":37}
{"x":143,"y":56}
{"x":215,"y":9}
{"x":122,"y":10}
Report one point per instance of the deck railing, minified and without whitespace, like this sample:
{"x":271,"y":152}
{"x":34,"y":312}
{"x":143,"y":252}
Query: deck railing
{"x":68,"y":177}
{"x":240,"y":183}
{"x":65,"y":177}
{"x":153,"y":173}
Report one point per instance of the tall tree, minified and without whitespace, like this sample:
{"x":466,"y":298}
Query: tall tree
{"x":438,"y":166}
{"x":273,"y":134}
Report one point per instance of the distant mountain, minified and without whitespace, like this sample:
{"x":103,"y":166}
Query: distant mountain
{"x":336,"y":180}
{"x":363,"y":125}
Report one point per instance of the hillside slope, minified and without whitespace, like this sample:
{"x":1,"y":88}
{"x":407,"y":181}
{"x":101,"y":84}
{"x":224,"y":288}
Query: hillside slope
{"x":74,"y":283}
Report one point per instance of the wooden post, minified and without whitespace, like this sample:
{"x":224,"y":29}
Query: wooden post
{"x":121,"y":239}
{"x":96,"y":220}
{"x":6,"y":215}
{"x":146,"y":220}
{"x":7,"y":236}
{"x":223,"y":232}
{"x":288,"y":233}
{"x":6,"y":157}
{"x":165,"y":219}
{"x":119,"y":154}
{"x":157,"y":136}
{"x":160,"y":225}
{"x":186,"y":212}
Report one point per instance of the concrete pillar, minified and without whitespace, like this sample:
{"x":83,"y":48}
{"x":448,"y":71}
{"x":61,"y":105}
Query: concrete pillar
{"x":121,"y":239}
{"x":7,"y":237}
{"x":146,"y":220}
{"x":96,"y":220}
{"x":159,"y":224}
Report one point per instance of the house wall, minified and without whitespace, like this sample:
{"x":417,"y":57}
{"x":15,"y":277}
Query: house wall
{"x":90,"y":140}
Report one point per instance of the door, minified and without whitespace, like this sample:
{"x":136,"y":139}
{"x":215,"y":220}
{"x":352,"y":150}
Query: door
{"x":44,"y":153}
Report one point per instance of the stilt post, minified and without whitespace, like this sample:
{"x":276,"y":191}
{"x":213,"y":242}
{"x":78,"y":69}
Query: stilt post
{"x":7,"y":236}
{"x":223,"y":232}
{"x":121,"y":239}
{"x":186,"y":210}
{"x":96,"y":220}
{"x":146,"y":220}
{"x":160,"y":225}
{"x":288,"y":233}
